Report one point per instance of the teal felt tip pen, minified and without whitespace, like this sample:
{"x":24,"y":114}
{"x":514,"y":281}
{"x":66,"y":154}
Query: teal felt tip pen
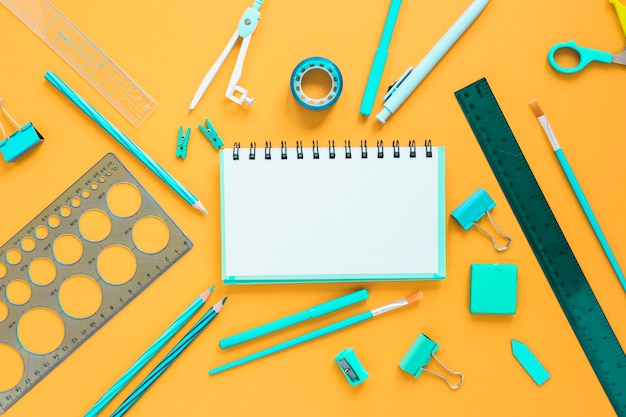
{"x":380,"y":58}
{"x":401,"y":90}
{"x":350,"y":321}
{"x":310,"y":313}
{"x":578,"y":191}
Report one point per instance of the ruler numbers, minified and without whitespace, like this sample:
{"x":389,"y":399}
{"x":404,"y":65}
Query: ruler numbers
{"x":546,"y":239}
{"x":85,"y":57}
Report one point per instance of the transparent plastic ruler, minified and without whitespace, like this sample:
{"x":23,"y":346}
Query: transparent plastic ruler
{"x":85,"y":57}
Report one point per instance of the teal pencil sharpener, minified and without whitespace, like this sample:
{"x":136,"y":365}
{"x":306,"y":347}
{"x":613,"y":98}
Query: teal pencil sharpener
{"x":351,"y":367}
{"x":418,"y":357}
{"x":20,"y":142}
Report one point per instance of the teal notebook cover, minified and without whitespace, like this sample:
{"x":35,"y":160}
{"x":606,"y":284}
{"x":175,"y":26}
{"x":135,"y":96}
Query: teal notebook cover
{"x":294,"y":215}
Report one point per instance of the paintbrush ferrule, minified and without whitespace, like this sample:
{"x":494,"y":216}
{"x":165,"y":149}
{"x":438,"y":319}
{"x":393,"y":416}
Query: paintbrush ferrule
{"x":392,"y":306}
{"x":543,"y":121}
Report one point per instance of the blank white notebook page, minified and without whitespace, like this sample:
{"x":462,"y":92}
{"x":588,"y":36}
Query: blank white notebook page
{"x":310,"y":220}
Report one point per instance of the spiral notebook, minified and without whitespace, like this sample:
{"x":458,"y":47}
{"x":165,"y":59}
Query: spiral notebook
{"x":326,"y":214}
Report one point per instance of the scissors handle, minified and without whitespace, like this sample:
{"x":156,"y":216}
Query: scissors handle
{"x":585,"y":56}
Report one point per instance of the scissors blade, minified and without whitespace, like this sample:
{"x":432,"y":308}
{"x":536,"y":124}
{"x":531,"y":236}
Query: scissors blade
{"x":620,"y":58}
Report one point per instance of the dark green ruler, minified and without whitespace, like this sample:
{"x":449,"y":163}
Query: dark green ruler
{"x":546,"y":239}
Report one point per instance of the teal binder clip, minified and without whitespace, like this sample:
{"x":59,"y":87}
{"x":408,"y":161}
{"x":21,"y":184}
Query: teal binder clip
{"x":351,"y":367}
{"x":211,"y":134}
{"x":418,"y":356}
{"x":183,"y":141}
{"x":473,"y":209}
{"x":20,"y":141}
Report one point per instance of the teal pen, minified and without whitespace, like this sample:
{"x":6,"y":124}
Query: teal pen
{"x":150,"y":353}
{"x":321,"y":332}
{"x":129,"y":145}
{"x":380,"y":58}
{"x":408,"y":82}
{"x":171,"y":356}
{"x":582,"y":200}
{"x":311,"y":313}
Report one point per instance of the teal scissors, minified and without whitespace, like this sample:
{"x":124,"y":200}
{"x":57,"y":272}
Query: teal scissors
{"x":588,"y":55}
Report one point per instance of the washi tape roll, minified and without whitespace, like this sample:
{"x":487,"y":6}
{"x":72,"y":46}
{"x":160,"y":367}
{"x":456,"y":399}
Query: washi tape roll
{"x":320,"y":64}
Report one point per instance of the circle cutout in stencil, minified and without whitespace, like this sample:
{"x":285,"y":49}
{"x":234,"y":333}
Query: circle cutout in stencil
{"x":54,"y":221}
{"x":94,"y":225}
{"x":12,"y":366}
{"x":42,"y":271}
{"x":65,"y":211}
{"x":80,"y":296}
{"x":40,"y":331}
{"x":18,"y":292}
{"x":67,"y":249}
{"x":150,"y":234}
{"x":123,"y":199}
{"x":28,"y":244}
{"x":116,"y":264}
{"x":41,"y":232}
{"x":14,"y":256}
{"x":3,"y":270}
{"x":4,"y":311}
{"x":76,"y":202}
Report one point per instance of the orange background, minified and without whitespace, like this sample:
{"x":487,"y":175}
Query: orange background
{"x":168,"y":47}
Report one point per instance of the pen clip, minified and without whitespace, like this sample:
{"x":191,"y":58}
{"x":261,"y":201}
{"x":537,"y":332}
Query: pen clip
{"x":394,"y":87}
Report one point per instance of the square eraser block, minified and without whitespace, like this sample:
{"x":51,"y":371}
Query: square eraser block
{"x":493,"y":289}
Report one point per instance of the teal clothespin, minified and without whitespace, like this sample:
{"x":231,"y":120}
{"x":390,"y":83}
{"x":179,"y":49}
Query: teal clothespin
{"x":19,"y":141}
{"x":183,"y":141}
{"x":352,"y":368}
{"x":473,"y":209}
{"x":418,"y":356}
{"x":211,"y":134}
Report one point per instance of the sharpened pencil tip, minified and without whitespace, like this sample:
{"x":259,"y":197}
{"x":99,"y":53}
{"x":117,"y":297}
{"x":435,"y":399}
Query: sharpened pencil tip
{"x":218,"y":306}
{"x":205,"y":295}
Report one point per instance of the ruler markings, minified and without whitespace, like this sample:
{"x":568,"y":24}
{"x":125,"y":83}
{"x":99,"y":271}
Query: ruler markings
{"x":85,"y":57}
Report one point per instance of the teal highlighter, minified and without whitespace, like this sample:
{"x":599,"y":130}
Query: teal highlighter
{"x":308,"y":314}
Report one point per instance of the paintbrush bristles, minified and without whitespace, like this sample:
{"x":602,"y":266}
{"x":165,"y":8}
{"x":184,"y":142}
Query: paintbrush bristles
{"x":416,"y":296}
{"x":534,"y":106}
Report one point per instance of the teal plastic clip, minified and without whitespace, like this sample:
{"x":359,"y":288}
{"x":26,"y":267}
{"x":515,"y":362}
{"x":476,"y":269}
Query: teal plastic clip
{"x":473,"y":209}
{"x":211,"y":134}
{"x":351,"y":367}
{"x":418,"y":356}
{"x":20,"y":141}
{"x":183,"y":141}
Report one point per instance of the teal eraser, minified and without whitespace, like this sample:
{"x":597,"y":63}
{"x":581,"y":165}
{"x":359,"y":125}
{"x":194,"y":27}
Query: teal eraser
{"x":493,"y":289}
{"x":529,"y":362}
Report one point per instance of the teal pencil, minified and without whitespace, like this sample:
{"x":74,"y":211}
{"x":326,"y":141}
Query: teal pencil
{"x":169,"y":358}
{"x":310,"y":313}
{"x":350,"y":321}
{"x":149,"y":353}
{"x":582,"y":200}
{"x":128,"y":144}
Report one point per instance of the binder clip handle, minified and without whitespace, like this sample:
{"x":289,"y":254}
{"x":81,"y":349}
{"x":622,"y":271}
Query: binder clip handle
{"x":419,"y":355}
{"x":475,"y":208}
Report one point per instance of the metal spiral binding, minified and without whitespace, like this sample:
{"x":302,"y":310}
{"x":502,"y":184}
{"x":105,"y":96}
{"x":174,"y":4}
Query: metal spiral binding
{"x":268,"y":150}
{"x":396,"y":148}
{"x":380,"y":145}
{"x":332,"y":153}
